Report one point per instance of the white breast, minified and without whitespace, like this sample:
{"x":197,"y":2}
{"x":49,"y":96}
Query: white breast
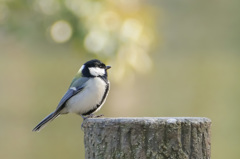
{"x":88,"y":98}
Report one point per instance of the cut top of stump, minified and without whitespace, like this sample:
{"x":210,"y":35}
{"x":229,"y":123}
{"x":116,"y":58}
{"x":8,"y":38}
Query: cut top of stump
{"x":147,"y":121}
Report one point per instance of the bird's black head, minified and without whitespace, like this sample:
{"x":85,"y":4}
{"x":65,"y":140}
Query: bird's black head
{"x":94,"y":68}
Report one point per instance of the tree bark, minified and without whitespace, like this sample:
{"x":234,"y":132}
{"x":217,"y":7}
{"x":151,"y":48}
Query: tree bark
{"x":147,"y":138}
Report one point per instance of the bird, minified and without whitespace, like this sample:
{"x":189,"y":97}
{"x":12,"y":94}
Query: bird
{"x":86,"y":94}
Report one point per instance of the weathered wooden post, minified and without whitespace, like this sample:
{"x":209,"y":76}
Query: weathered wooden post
{"x":147,"y":138}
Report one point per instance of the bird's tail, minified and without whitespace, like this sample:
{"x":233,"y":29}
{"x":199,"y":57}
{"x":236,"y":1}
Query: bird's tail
{"x":43,"y":123}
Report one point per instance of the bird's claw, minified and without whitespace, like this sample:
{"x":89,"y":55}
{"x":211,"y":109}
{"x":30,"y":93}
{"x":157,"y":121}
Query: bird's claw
{"x":98,"y":116}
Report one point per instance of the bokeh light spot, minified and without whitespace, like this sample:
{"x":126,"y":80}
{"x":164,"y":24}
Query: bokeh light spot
{"x":95,"y":41}
{"x":61,"y":31}
{"x":131,"y":29}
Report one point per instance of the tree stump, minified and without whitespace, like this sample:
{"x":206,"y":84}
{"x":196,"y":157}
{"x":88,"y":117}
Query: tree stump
{"x":147,"y":138}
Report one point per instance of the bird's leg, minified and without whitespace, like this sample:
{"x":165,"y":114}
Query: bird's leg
{"x":89,"y":116}
{"x":86,"y":117}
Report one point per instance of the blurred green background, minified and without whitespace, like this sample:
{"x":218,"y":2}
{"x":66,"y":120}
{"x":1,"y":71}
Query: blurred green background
{"x":169,"y":58}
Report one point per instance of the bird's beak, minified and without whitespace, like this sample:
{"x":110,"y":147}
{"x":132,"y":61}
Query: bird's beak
{"x":108,"y":67}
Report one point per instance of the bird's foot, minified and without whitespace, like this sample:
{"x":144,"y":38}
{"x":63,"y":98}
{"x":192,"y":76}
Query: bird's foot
{"x":90,"y":116}
{"x":98,"y":116}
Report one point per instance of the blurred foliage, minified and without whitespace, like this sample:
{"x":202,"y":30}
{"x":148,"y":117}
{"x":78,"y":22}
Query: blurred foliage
{"x":193,"y":69}
{"x":120,"y":32}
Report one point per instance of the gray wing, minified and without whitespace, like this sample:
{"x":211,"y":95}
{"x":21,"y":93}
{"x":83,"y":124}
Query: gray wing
{"x":76,"y":87}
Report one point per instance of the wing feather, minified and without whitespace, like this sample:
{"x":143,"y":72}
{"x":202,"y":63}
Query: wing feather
{"x":76,"y":87}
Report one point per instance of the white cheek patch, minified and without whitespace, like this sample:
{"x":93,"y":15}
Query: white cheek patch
{"x":95,"y":71}
{"x":80,"y":70}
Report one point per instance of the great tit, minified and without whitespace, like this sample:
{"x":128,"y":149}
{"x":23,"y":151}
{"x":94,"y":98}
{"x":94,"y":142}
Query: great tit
{"x":86,"y":94}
